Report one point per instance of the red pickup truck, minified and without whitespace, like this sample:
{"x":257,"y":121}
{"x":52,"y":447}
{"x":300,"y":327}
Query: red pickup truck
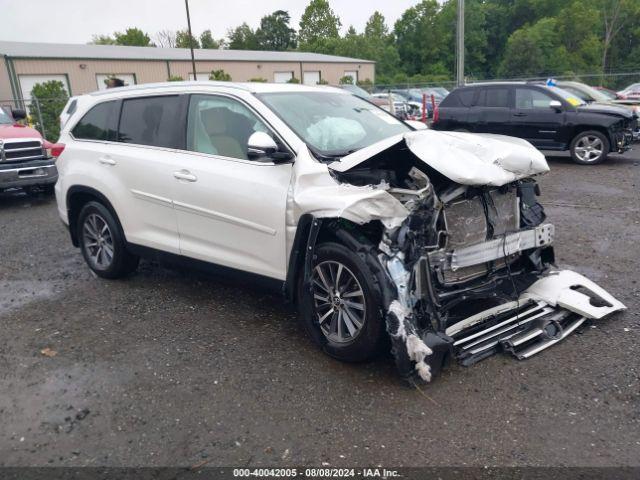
{"x":26,"y":159}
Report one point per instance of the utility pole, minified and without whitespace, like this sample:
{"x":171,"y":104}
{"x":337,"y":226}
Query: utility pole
{"x":460,"y":44}
{"x":193,"y":59}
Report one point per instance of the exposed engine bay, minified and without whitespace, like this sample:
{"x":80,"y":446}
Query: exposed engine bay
{"x":469,"y":272}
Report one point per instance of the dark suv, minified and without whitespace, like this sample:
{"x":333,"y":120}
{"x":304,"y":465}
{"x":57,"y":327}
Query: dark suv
{"x":548,"y":117}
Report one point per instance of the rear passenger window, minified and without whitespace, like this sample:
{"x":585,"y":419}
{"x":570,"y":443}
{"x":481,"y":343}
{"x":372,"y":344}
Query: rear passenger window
{"x":466,"y":97}
{"x":494,"y":97}
{"x":99,"y":123}
{"x":152,"y":121}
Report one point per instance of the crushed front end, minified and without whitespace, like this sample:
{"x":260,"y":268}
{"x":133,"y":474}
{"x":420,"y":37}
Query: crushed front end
{"x":470,"y":271}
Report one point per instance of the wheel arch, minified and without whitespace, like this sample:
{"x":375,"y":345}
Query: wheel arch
{"x":578,"y":129}
{"x":77,"y":197}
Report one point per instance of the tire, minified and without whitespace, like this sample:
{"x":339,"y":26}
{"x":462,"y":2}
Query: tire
{"x":369,"y":339}
{"x":102,"y":242}
{"x":589,"y":148}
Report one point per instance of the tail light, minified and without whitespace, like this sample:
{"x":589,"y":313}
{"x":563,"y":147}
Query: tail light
{"x":55,"y":150}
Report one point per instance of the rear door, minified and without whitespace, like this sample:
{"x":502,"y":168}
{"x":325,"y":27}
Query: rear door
{"x":150,"y":132}
{"x":230,"y":210}
{"x":534,"y":120}
{"x":492,"y":110}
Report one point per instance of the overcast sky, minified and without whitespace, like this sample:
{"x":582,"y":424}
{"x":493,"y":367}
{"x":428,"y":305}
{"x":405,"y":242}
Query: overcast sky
{"x":76,"y":21}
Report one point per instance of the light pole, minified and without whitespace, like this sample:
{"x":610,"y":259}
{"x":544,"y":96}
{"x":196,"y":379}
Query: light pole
{"x":460,"y":44}
{"x":193,"y":59}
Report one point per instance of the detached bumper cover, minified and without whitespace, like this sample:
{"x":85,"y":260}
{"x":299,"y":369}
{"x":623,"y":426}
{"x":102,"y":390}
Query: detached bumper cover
{"x":41,"y":172}
{"x":546,"y":313}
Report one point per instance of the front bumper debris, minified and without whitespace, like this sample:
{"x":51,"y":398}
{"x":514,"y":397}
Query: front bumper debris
{"x":544,"y":314}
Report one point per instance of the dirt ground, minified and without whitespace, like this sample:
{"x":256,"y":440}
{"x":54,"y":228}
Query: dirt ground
{"x":172,"y":367}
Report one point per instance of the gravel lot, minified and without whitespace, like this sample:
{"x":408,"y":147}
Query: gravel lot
{"x":171,"y":367}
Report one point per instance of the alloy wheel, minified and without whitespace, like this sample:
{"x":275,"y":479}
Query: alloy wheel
{"x":97,"y":241}
{"x":339,"y":301}
{"x":589,"y":148}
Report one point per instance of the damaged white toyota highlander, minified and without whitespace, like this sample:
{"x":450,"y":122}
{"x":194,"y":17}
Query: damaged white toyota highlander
{"x":432,"y":244}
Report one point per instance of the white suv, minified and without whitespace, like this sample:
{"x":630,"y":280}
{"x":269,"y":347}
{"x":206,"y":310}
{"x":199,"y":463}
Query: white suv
{"x":430,"y":242}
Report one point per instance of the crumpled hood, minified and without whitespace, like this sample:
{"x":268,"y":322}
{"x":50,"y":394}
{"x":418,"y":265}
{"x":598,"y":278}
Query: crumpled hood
{"x":465,"y":158}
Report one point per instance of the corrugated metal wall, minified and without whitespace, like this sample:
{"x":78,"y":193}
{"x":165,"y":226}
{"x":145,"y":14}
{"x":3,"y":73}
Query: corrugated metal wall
{"x":82,"y":73}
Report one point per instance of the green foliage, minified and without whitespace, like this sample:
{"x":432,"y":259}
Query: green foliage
{"x":133,"y":37}
{"x":175,"y":78}
{"x":242,"y":38}
{"x":207,"y":41}
{"x":322,"y":81}
{"x":220,"y":75}
{"x":102,"y":40}
{"x":275,"y":33}
{"x":346,"y":80}
{"x":184,"y":40}
{"x":319,"y":25}
{"x":258,"y":80}
{"x":293,"y":80}
{"x":51,"y":97}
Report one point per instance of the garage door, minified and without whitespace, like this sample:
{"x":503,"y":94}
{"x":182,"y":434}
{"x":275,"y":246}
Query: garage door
{"x":282,"y":77}
{"x":311,"y":78}
{"x":127,"y":78}
{"x":353,"y":74}
{"x":27,"y":82}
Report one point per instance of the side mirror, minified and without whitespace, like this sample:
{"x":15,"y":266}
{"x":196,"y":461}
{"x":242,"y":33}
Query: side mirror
{"x":416,"y":124}
{"x":555,"y":104}
{"x":260,"y":145}
{"x":18,"y":114}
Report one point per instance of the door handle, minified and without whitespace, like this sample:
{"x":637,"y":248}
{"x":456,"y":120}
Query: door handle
{"x":107,"y":161}
{"x":519,"y":114}
{"x":185,"y":175}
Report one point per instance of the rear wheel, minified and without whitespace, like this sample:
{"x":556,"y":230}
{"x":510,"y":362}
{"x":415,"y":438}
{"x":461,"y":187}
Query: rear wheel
{"x":342,"y":313}
{"x":589,"y":148}
{"x":102,"y":242}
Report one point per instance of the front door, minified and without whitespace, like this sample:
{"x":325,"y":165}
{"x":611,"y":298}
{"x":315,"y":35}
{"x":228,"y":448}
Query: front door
{"x":230,"y":210}
{"x":534,"y":120}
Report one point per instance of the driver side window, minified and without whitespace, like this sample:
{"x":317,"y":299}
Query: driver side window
{"x":222,"y":126}
{"x":530,"y":98}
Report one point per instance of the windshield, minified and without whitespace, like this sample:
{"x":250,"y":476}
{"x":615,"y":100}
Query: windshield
{"x":587,"y":93}
{"x":333,"y":124}
{"x":569,"y":97}
{"x":356,"y":90}
{"x":5,"y":118}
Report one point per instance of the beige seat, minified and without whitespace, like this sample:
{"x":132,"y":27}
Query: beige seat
{"x":217,"y":123}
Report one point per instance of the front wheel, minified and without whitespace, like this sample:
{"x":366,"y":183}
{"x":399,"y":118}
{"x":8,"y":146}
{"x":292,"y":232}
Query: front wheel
{"x":589,"y":148}
{"x":102,"y":242}
{"x":342,"y":312}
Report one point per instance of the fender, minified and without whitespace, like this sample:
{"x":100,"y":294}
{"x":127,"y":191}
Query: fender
{"x":73,"y":212}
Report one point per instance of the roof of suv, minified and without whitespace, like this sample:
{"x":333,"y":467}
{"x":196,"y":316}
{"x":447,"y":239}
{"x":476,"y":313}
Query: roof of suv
{"x":253,"y":87}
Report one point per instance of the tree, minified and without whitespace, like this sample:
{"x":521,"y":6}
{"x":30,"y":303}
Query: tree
{"x":243,"y":38}
{"x":51,"y":98}
{"x":207,"y":41}
{"x":166,"y":39}
{"x":275,"y":33}
{"x":133,"y":37}
{"x":220,"y":75}
{"x":418,"y":42}
{"x":318,"y":25}
{"x":102,"y":40}
{"x":536,"y":50}
{"x":380,"y":45}
{"x":614,"y":20}
{"x":184,"y":40}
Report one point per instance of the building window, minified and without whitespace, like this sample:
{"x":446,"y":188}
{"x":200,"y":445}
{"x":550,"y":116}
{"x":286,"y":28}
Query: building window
{"x":200,"y":76}
{"x":353,"y":74}
{"x":311,"y":78}
{"x":103,"y":78}
{"x":282,"y":77}
{"x":27,"y":82}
